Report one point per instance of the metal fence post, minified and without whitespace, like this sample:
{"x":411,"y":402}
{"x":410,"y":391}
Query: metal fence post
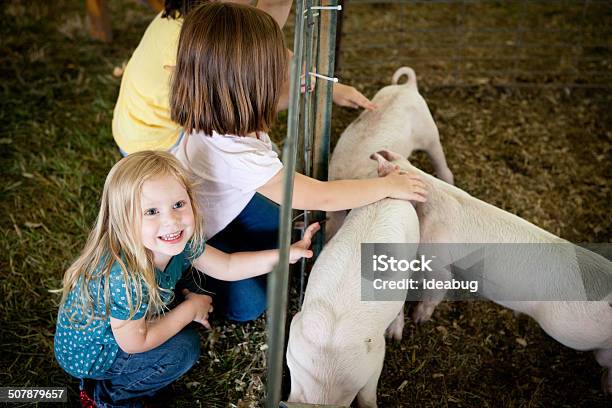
{"x":278,"y":279}
{"x":315,"y":155}
{"x":307,"y":122}
{"x":323,"y":105}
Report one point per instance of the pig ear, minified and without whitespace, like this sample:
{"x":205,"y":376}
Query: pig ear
{"x":389,"y":155}
{"x":384,"y":166}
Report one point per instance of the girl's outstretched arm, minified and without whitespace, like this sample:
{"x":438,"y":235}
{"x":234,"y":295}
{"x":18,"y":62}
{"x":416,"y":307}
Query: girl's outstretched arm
{"x":243,"y":265}
{"x":312,"y":194}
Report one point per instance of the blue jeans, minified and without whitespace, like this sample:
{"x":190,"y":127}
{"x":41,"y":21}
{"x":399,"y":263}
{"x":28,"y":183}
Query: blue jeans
{"x":133,"y":376}
{"x":254,"y":229}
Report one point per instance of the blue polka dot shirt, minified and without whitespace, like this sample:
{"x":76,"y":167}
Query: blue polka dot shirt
{"x":88,"y":351}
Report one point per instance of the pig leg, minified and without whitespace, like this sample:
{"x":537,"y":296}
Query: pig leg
{"x":581,"y":326}
{"x":604,"y":358}
{"x":396,"y":328}
{"x":334,"y":222}
{"x":366,"y":397}
{"x":438,"y":159}
{"x":432,"y":297}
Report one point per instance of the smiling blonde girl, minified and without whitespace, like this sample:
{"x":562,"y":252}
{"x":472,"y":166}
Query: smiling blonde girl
{"x":114,"y":326}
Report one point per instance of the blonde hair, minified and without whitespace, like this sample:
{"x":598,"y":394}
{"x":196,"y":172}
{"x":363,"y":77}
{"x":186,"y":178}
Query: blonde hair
{"x":230,"y":67}
{"x":116,"y":238}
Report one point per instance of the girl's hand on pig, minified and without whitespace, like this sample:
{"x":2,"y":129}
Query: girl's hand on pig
{"x":406,"y":187}
{"x":300,"y":249}
{"x":348,"y":96}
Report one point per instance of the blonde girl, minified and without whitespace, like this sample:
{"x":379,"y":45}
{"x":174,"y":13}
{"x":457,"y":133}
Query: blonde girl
{"x":230,"y":68}
{"x":114,"y":326}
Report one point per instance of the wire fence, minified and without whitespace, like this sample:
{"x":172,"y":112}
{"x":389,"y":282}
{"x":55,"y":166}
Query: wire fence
{"x":514,"y":43}
{"x":308,"y":132}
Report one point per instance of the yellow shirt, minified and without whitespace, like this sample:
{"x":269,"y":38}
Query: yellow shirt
{"x":141,"y":120}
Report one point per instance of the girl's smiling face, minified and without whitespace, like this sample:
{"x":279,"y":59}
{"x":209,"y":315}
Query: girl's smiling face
{"x":167,"y":218}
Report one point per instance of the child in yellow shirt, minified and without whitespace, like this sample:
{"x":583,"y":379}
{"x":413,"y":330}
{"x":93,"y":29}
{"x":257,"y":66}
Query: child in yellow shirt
{"x":141,"y":119}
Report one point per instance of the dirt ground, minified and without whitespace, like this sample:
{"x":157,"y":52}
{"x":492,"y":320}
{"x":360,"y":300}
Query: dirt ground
{"x":531,"y":136}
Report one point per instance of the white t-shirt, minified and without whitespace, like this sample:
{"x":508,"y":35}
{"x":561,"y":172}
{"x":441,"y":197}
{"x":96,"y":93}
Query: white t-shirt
{"x":227,"y":169}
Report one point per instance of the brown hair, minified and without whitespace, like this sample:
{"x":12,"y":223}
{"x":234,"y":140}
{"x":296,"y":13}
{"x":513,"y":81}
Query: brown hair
{"x":231,"y":64}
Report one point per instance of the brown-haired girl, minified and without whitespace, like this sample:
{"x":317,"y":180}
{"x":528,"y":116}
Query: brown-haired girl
{"x":230,"y":67}
{"x":141,"y":119}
